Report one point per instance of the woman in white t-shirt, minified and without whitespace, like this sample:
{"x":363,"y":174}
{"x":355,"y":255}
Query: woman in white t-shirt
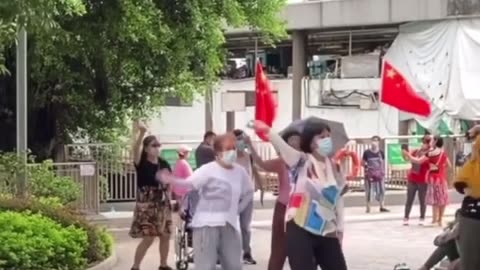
{"x":224,"y":190}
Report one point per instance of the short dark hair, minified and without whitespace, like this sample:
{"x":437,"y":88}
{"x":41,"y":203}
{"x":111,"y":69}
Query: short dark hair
{"x":376,"y":137}
{"x":290,"y":133}
{"x":438,"y":141}
{"x":312,"y":128}
{"x":237,"y":132}
{"x":208,"y":134}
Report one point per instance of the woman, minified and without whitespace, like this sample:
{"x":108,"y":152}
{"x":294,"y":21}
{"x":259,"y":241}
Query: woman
{"x":152,"y":214}
{"x":182,"y":170}
{"x":417,"y":180}
{"x":224,"y":190}
{"x":313,"y":218}
{"x":278,"y":249}
{"x":468,"y":183}
{"x":437,"y":190}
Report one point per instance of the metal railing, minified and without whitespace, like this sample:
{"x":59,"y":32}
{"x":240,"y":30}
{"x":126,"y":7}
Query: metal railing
{"x":115,"y":164}
{"x":85,"y":174}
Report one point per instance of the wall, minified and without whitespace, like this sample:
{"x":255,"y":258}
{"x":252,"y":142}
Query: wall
{"x":188,"y":123}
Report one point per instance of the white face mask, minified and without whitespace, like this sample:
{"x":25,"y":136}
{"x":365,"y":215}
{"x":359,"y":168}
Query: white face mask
{"x":467,"y":149}
{"x":229,"y":157}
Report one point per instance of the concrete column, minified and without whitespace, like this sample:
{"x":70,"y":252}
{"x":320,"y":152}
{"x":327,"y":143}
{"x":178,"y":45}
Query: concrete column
{"x":299,"y":70}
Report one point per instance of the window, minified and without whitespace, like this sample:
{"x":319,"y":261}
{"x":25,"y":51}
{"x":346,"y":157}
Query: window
{"x":176,"y":101}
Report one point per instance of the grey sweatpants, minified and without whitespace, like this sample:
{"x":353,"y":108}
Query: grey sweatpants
{"x":211,"y":244}
{"x":469,"y":243}
{"x":245,"y":221}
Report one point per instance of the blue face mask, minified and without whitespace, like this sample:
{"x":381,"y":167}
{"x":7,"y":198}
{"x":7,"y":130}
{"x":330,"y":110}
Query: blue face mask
{"x":229,"y":157}
{"x":325,"y":146}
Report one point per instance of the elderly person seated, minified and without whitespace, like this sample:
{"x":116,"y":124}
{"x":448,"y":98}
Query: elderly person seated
{"x":468,"y":183}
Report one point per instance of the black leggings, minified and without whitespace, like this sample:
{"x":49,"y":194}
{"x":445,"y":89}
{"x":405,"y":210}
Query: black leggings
{"x":307,"y":251}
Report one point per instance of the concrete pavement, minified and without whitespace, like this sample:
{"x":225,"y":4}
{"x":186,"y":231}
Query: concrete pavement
{"x":375,"y":241}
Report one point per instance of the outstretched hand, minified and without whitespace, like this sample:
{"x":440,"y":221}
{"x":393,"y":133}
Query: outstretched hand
{"x":164,"y":177}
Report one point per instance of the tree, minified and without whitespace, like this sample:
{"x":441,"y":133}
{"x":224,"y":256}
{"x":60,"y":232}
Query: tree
{"x":95,"y":63}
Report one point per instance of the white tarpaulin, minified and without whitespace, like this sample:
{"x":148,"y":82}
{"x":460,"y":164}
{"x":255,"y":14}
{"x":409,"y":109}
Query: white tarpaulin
{"x":442,"y":60}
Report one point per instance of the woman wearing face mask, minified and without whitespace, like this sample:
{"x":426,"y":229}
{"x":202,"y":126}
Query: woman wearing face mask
{"x":224,"y":191}
{"x":278,"y":249}
{"x":152,"y":214}
{"x":245,"y":160}
{"x":374,"y":163}
{"x":313,"y":216}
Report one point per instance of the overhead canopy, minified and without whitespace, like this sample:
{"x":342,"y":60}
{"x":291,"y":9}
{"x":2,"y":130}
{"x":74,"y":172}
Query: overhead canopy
{"x":442,"y":61}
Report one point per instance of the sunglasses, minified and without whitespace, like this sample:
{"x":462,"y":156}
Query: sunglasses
{"x":156,"y":145}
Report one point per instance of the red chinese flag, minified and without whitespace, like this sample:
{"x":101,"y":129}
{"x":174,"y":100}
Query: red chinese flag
{"x":265,"y":105}
{"x":397,"y":92}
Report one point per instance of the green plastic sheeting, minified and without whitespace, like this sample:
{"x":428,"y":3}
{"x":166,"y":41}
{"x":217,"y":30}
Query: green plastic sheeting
{"x":395,"y":153}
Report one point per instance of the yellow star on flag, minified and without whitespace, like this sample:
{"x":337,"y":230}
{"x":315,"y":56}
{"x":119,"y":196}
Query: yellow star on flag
{"x":391,"y":73}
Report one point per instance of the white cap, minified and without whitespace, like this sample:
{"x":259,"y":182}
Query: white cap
{"x":182,"y":149}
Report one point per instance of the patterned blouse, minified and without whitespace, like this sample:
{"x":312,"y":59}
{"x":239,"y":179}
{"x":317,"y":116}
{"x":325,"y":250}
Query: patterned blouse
{"x":315,"y":199}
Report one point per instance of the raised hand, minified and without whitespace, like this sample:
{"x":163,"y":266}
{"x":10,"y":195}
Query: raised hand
{"x":141,"y":126}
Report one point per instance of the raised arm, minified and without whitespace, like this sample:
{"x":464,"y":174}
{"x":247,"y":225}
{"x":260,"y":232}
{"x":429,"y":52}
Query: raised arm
{"x":138,"y":132}
{"x":196,"y":181}
{"x":418,"y":160}
{"x":287,"y":153}
{"x":268,"y":165}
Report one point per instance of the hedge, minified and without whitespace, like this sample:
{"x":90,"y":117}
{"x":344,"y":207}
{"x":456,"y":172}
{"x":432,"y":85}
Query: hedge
{"x":100,"y":242}
{"x":33,"y":241}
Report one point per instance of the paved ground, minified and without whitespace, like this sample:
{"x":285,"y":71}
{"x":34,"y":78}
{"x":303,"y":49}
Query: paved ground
{"x":372,"y":242}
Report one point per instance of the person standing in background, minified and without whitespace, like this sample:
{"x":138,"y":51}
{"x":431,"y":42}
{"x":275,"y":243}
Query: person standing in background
{"x":373,"y":161}
{"x":278,"y":250}
{"x":182,"y":170}
{"x":204,"y":152}
{"x":245,"y":160}
{"x":437,"y":192}
{"x":417,"y":181}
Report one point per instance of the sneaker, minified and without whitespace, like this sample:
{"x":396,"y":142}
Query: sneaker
{"x":166,"y":267}
{"x":384,"y":210}
{"x":248,"y":259}
{"x":421,"y":222}
{"x":405,"y":222}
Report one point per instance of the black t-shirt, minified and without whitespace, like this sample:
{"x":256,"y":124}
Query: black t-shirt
{"x":146,"y":172}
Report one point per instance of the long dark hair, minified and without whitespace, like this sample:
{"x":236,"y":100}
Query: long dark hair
{"x":146,"y":142}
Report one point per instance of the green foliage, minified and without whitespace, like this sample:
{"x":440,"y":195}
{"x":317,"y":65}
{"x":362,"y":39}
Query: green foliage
{"x":43,"y":182}
{"x":32,"y":242}
{"x":95,"y":64}
{"x":100,"y":242}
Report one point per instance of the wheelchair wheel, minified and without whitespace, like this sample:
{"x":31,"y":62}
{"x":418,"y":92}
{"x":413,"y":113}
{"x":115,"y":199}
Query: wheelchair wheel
{"x":180,"y":245}
{"x":182,"y":265}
